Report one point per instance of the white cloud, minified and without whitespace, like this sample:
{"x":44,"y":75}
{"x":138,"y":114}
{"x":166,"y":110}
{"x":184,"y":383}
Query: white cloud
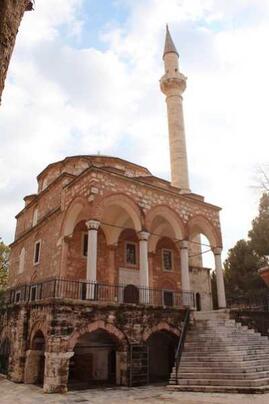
{"x":60,"y":100}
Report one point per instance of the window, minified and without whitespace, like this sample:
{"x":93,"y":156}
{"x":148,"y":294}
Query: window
{"x":35,"y":217}
{"x":33,"y":293}
{"x":37,"y":252}
{"x":168,"y":298}
{"x":167,"y":256}
{"x":85,"y":244}
{"x":17,"y":296}
{"x":130,"y":253}
{"x":21,"y":260}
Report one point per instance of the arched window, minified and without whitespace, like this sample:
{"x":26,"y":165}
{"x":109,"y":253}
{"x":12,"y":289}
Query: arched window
{"x":22,"y":260}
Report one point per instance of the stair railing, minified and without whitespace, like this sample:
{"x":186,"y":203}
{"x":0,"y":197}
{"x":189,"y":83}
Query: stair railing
{"x":182,"y":340}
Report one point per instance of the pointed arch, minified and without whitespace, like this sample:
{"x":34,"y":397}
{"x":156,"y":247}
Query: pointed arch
{"x":113,"y":331}
{"x":162,"y":326}
{"x":164,"y":221}
{"x":116,"y":212}
{"x":73,"y":214}
{"x":201,"y":225}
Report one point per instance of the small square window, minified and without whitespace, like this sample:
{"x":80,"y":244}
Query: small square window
{"x":130,"y":253}
{"x":37,"y":252}
{"x":168,"y":298}
{"x":85,"y":244}
{"x":167,"y":259}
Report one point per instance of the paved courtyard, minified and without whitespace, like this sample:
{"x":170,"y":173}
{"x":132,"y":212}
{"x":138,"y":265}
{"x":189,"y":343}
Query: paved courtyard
{"x":11,"y":393}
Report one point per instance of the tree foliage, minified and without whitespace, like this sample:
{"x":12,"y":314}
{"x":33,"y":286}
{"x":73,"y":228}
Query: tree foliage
{"x":4,"y":256}
{"x":259,"y":234}
{"x":247,"y":256}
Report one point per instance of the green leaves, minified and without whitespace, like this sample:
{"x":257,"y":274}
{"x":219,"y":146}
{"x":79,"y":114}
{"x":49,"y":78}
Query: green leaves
{"x":247,"y":256}
{"x":4,"y":256}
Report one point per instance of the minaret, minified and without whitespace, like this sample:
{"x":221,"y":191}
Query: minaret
{"x":173,"y":84}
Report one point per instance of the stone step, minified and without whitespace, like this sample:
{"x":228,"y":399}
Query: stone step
{"x":209,"y":315}
{"x":223,"y":364}
{"x":222,"y":375}
{"x":222,"y":355}
{"x":224,"y":332}
{"x":232,"y":345}
{"x":228,"y":349}
{"x":219,"y":389}
{"x":227,"y":355}
{"x":224,"y":382}
{"x":216,"y":370}
{"x":229,"y":340}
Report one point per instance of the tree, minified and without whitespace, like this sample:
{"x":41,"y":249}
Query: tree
{"x":259,"y":234}
{"x":4,"y":256}
{"x":240,"y":270}
{"x":247,"y":256}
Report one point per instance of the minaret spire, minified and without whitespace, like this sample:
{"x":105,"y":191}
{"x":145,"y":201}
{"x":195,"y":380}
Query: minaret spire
{"x":169,"y":45}
{"x":173,"y":84}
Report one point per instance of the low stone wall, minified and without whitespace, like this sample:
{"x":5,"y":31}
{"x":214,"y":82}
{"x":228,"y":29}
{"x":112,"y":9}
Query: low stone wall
{"x":258,"y":320}
{"x":62,"y":323}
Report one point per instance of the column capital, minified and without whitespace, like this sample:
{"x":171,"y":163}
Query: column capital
{"x":143,"y":235}
{"x":59,"y":355}
{"x":92,"y":224}
{"x":183,"y":244}
{"x":217,"y":250}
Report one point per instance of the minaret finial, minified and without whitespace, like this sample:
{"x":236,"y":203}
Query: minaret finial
{"x":169,"y":45}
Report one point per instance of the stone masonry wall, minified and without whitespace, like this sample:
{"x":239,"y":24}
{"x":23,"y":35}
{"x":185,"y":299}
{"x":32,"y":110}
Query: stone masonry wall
{"x":63,"y":323}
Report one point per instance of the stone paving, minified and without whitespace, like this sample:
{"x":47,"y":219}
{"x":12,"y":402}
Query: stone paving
{"x":11,"y":393}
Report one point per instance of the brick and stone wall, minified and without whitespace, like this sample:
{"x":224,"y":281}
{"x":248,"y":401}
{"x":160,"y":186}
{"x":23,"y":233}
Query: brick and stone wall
{"x":125,"y":198}
{"x":63,"y":323}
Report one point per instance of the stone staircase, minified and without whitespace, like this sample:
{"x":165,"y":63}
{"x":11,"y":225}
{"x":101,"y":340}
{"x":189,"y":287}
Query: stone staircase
{"x":221,"y":355}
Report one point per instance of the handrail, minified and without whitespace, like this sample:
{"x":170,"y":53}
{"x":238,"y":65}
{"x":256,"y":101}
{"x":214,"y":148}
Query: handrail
{"x":182,"y":340}
{"x":96,"y":291}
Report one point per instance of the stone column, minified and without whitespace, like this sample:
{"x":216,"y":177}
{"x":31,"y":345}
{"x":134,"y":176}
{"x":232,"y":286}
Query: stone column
{"x":144,"y":266}
{"x":92,"y":226}
{"x":185,"y":276}
{"x":56,"y":371}
{"x":219,"y":277}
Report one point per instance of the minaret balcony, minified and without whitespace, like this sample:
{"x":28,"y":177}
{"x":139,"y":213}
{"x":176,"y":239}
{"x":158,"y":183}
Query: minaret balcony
{"x":173,"y":84}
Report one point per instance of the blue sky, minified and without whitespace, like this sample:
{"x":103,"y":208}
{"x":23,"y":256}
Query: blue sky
{"x":84,"y":78}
